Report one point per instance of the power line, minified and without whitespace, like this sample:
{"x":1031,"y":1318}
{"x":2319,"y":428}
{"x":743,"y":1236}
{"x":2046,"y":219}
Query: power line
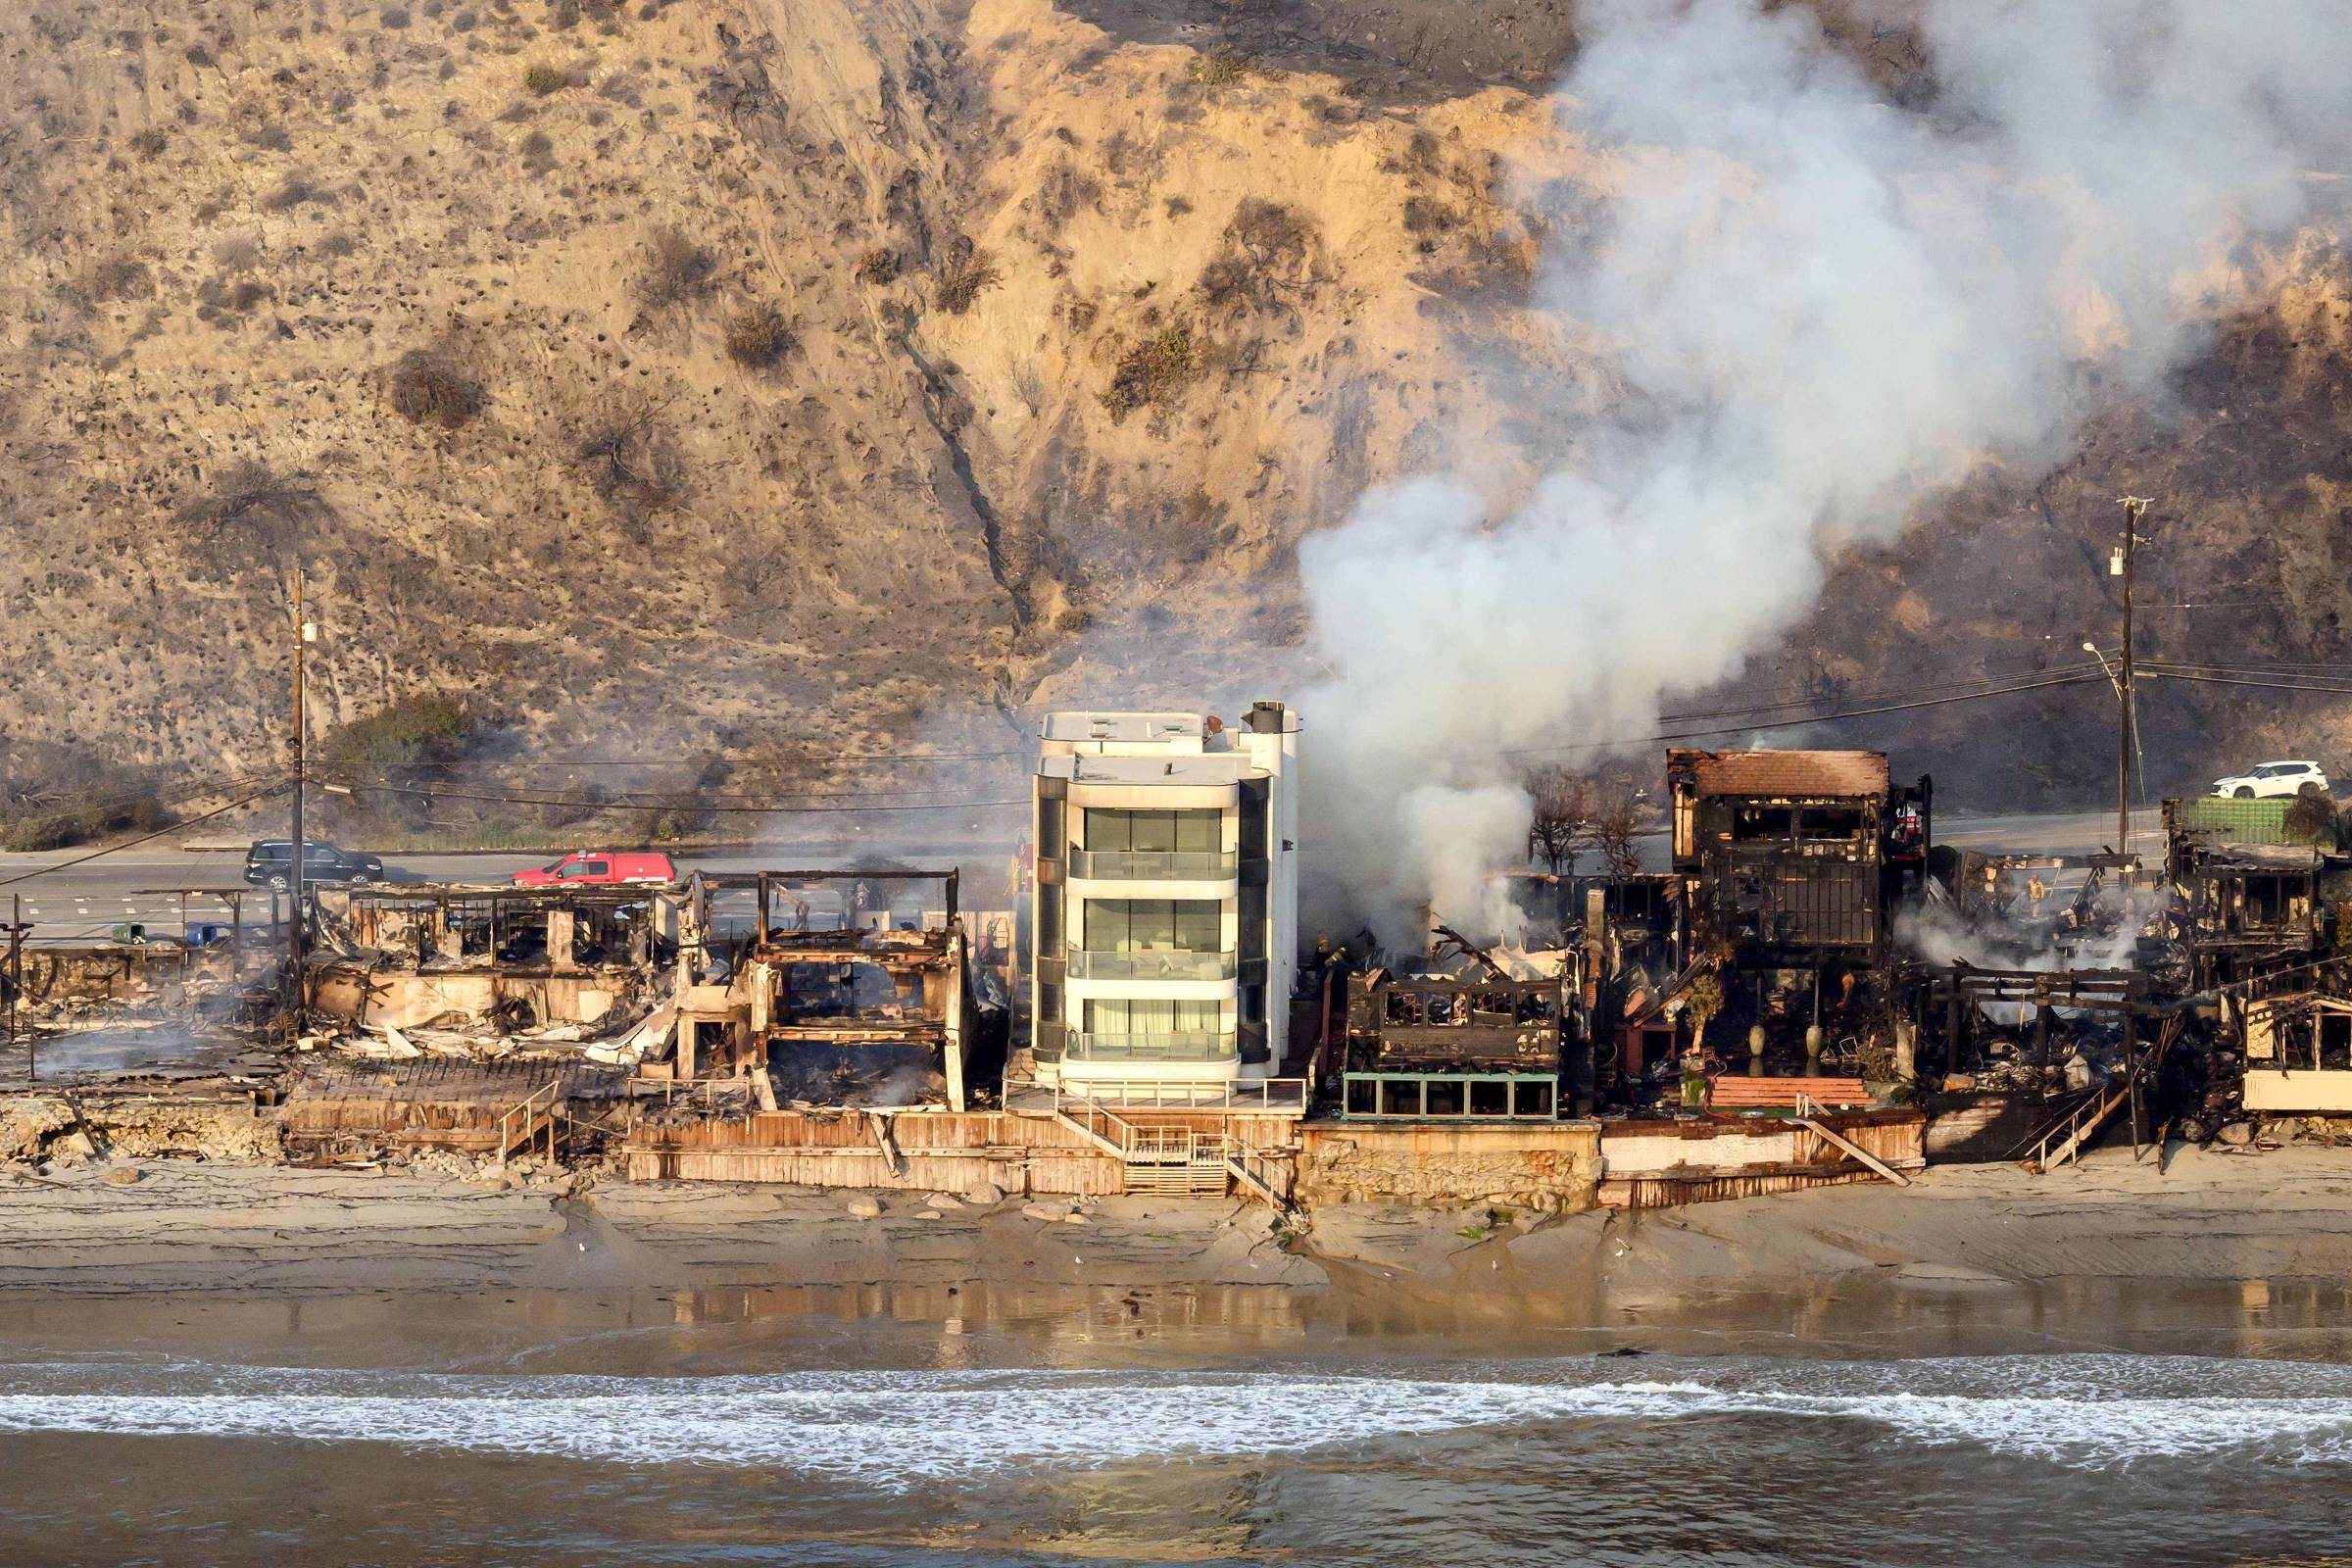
{"x":2235,"y":680}
{"x":112,"y":848}
{"x":1792,"y":722}
{"x":32,"y":809}
{"x":1980,"y":683}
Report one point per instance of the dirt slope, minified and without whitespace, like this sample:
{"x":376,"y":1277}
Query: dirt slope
{"x":729,"y":372}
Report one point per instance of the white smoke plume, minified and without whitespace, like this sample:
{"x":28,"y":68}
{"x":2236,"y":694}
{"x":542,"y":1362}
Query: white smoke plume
{"x":1816,"y":309}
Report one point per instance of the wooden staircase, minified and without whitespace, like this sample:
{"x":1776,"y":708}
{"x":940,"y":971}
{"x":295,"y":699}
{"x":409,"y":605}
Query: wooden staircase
{"x":522,"y":1125}
{"x":2062,"y":1141}
{"x":1171,"y":1159}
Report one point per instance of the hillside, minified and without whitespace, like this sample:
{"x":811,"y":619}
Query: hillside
{"x":727,"y":375}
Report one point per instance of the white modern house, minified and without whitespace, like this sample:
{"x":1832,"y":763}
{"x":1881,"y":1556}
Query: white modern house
{"x":1165,"y":941}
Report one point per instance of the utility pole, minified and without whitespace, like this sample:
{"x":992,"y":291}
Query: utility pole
{"x":2120,"y":565}
{"x":294,"y":915}
{"x":16,"y":978}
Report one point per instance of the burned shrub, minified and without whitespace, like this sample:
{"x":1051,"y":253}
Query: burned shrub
{"x":218,"y":301}
{"x":631,"y":466}
{"x":758,"y":336}
{"x":119,"y":277}
{"x":293,"y":191}
{"x":676,"y":270}
{"x":538,"y":150}
{"x":1064,"y":191}
{"x":1267,"y":260}
{"x":1153,"y":373}
{"x":236,"y":253}
{"x":429,"y":388}
{"x":962,"y":271}
{"x":150,"y":143}
{"x":878,"y":266}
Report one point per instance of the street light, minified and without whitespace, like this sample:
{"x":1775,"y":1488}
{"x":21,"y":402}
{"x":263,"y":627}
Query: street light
{"x":2093,"y":649}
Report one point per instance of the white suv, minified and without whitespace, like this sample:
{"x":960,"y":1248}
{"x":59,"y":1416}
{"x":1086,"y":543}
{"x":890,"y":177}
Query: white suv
{"x":2273,"y":778}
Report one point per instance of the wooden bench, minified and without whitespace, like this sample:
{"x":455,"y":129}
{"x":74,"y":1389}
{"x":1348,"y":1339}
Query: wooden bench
{"x":1738,"y":1092}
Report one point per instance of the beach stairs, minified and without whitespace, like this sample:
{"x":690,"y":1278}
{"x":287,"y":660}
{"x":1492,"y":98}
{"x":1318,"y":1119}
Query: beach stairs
{"x":534,"y":1119}
{"x":2062,"y":1142}
{"x":1169,"y":1160}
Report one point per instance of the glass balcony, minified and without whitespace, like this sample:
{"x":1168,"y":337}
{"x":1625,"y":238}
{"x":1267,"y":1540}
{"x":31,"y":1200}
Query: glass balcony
{"x":1154,"y":865}
{"x":1164,"y":963}
{"x":1152,"y":1048}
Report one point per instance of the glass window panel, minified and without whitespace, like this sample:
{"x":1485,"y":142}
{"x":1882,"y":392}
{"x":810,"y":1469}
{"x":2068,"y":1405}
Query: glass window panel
{"x":1200,"y":832}
{"x":1154,"y":831}
{"x":1198,"y":926}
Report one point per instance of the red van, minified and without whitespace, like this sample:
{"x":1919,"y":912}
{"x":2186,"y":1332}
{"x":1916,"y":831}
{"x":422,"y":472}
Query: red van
{"x":600,"y":867}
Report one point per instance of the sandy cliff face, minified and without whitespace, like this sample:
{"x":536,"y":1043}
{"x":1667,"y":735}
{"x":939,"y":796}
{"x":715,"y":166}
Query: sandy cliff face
{"x":1053,"y":331}
{"x":711,"y":372}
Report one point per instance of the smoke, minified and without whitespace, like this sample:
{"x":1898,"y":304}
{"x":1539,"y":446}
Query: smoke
{"x":1814,"y":310}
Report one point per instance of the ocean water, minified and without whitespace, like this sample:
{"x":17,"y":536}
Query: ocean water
{"x":1216,"y":1431}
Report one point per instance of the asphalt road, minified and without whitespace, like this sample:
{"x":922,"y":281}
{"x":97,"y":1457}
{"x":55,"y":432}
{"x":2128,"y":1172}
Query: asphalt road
{"x":83,"y":902}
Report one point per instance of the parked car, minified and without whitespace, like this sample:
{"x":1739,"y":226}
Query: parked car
{"x":2272,"y":778}
{"x":270,"y":863}
{"x":600,"y":868}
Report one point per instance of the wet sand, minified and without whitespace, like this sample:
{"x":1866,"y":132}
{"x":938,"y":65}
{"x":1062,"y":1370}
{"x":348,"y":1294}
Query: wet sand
{"x":245,"y":1363}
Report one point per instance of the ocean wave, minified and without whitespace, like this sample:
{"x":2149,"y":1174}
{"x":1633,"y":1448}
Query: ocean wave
{"x":899,"y":1428}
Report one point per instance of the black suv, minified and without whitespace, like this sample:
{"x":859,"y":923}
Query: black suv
{"x":270,"y":863}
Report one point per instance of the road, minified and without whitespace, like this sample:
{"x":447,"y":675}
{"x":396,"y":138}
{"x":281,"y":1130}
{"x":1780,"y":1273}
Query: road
{"x":83,"y":902}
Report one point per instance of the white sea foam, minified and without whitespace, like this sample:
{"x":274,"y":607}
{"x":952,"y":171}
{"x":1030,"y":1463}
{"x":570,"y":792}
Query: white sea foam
{"x":898,"y":1428}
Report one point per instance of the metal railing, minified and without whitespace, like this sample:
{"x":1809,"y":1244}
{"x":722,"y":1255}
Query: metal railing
{"x":1154,"y":865}
{"x":1152,"y":1048}
{"x":1161,"y":964}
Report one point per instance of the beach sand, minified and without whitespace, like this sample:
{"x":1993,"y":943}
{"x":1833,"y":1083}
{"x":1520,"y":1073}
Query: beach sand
{"x":264,"y":1230}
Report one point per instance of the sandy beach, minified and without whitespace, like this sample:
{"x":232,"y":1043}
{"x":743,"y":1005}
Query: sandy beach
{"x":190,"y":1227}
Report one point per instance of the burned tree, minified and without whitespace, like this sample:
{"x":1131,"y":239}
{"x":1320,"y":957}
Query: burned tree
{"x":1563,"y":806}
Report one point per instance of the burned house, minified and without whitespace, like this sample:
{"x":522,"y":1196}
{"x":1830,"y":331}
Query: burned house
{"x":1471,"y":1047}
{"x":2299,"y":1046}
{"x":1793,"y":859}
{"x":879,"y":1008}
{"x":2253,"y":883}
{"x":496,"y":959}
